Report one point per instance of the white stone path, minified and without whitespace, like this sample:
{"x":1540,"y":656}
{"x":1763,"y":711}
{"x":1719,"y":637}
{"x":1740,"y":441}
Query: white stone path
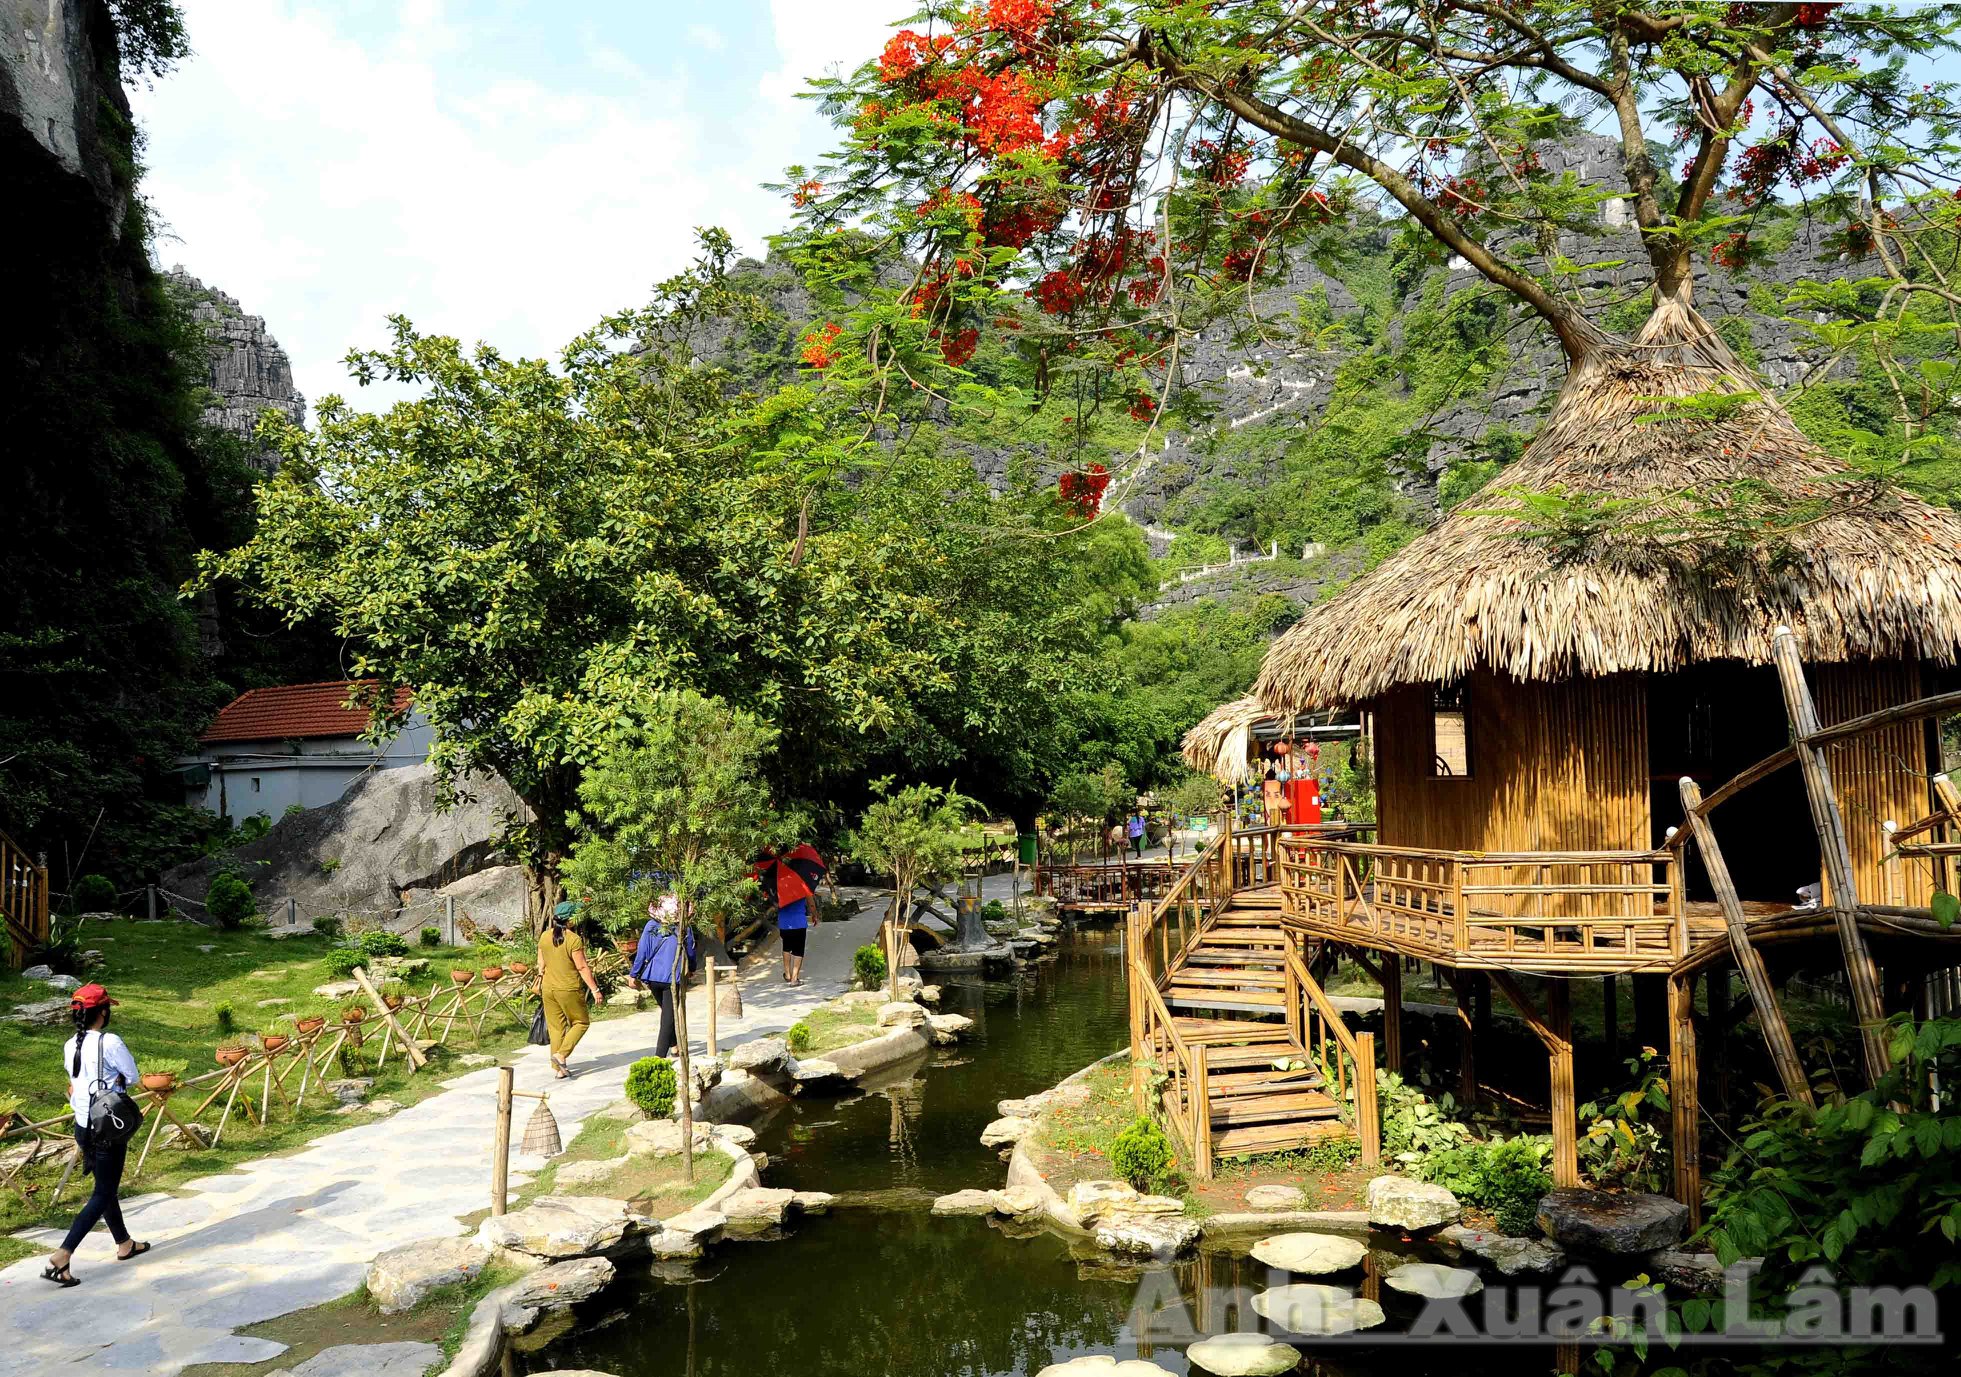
{"x":280,"y":1234}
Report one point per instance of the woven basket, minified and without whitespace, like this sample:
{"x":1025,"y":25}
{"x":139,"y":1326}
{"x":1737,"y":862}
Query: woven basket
{"x":728,"y":999}
{"x":541,"y":1133}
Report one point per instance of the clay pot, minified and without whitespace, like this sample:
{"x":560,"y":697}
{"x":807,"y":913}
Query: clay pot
{"x":153,"y":1080}
{"x":230,"y":1056}
{"x":272,"y":1042}
{"x":462,"y":977}
{"x":520,"y":968}
{"x":353,"y":1015}
{"x":393,"y":1002}
{"x":493,"y":973}
{"x":308,"y":1026}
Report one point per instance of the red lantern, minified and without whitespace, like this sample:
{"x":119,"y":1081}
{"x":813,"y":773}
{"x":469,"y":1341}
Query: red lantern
{"x":1282,"y":747}
{"x":1313,"y":750}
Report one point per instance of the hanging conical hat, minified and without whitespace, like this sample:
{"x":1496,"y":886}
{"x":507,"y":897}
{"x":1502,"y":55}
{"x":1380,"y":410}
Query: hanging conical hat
{"x":541,"y":1133}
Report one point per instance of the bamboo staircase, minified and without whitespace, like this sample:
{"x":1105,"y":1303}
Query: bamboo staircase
{"x":1255,"y":1057}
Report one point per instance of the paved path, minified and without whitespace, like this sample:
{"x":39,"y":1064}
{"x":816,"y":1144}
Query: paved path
{"x":284,"y":1233}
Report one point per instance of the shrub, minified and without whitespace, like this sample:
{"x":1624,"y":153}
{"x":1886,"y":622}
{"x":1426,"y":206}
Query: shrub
{"x":93,"y":894}
{"x":650,"y":1085}
{"x":225,"y":1017}
{"x":327,"y":926}
{"x":868,"y":966}
{"x":381,"y":943}
{"x":341,"y":961}
{"x":1506,"y":1177}
{"x":994,"y":911}
{"x":229,"y":901}
{"x":432,"y":937}
{"x":1413,"y":1125}
{"x":1141,"y":1155}
{"x":799,"y":1037}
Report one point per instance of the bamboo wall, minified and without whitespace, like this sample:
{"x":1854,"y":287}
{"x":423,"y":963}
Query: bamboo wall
{"x":1554,"y":767}
{"x":1879,"y":777}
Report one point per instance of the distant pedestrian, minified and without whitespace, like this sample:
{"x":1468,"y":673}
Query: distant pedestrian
{"x":660,"y":966}
{"x":1134,"y":829}
{"x":790,"y":882}
{"x":564,"y":979}
{"x":98,"y":1064}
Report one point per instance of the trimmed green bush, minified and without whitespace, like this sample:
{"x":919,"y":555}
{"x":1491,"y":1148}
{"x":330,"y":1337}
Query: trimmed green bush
{"x":868,"y":965}
{"x":229,"y":901}
{"x":432,"y":937}
{"x":380,"y":943}
{"x":93,"y":894}
{"x":1142,"y":1155}
{"x":994,"y":911}
{"x":225,"y":1018}
{"x":650,"y":1085}
{"x":799,"y":1037}
{"x":326,"y":925}
{"x":341,"y":961}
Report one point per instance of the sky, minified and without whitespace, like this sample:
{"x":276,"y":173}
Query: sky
{"x":497,"y":170}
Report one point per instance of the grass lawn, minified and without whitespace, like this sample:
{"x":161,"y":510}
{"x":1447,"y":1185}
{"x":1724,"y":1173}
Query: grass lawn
{"x":832,"y":1027}
{"x":171,"y":994}
{"x":653,"y":1184}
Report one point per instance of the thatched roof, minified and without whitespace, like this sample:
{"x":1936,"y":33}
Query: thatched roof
{"x":1218,"y":744}
{"x":1876,"y":575}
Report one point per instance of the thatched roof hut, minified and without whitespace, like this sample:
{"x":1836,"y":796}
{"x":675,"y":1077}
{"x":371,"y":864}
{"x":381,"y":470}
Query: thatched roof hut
{"x":1534,"y":696}
{"x":1875,"y":575}
{"x":1220,"y":744}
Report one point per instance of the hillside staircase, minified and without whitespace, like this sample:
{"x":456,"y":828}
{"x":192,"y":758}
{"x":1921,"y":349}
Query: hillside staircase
{"x":1254,"y":1055}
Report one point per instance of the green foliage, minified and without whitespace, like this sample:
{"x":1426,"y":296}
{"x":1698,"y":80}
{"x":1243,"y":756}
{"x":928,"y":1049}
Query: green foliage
{"x":1415,"y":1127}
{"x":164,"y":1066}
{"x":381,"y":943}
{"x":868,"y":967}
{"x":431,"y":937}
{"x":1507,"y":1176}
{"x":799,"y":1036}
{"x":1142,"y":1155}
{"x":224,"y":1018}
{"x":1623,"y":1146}
{"x":910,"y":834}
{"x":994,"y":911}
{"x":329,"y":926}
{"x":341,"y":962}
{"x":650,"y":1084}
{"x":93,"y":894}
{"x":1869,"y":1186}
{"x":229,"y":901}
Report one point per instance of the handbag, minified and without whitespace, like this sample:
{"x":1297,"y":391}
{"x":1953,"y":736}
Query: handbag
{"x":540,"y":1035}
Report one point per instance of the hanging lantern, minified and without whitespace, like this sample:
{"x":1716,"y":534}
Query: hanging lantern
{"x":1282,"y":747}
{"x":1313,"y":750}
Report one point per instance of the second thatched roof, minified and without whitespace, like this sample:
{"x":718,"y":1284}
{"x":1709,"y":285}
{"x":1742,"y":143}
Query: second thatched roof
{"x":1874,"y":574}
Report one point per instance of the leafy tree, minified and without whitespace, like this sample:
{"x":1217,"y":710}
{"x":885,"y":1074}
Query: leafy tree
{"x":913,"y":835}
{"x":684,"y":795}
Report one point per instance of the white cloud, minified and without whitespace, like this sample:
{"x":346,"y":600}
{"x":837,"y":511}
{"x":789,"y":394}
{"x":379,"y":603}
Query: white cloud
{"x":708,"y":38}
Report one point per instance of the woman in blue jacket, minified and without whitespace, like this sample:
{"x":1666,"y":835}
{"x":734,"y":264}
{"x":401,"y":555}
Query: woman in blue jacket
{"x":666,"y":957}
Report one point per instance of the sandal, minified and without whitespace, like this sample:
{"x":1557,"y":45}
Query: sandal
{"x":135,"y":1250}
{"x":59,"y":1275}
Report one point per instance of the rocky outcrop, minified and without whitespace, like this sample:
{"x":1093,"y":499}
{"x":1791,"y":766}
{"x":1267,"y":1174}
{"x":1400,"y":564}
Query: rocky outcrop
{"x":1604,"y":1222}
{"x":385,"y":839}
{"x":246,"y":372}
{"x":1396,"y":1202}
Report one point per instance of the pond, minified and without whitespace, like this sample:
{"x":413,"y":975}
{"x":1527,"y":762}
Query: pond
{"x":878,"y":1286}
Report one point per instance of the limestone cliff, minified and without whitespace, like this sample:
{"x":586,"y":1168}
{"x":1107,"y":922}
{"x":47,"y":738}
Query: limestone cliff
{"x":248,"y":372}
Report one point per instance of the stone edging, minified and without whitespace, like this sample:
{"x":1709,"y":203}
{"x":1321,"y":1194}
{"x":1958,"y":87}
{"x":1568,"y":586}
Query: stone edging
{"x":1022,"y":1170}
{"x":482,"y":1348}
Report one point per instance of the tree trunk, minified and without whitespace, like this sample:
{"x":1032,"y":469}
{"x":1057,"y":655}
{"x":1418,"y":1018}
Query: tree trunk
{"x":971,"y":934}
{"x":684,"y":1081}
{"x":901,"y":898}
{"x":543,"y":889}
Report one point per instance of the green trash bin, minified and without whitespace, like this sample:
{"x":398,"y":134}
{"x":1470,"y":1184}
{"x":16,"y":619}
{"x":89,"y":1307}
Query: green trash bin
{"x":1026,"y":842}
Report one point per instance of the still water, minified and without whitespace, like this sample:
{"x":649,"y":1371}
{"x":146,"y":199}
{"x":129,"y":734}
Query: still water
{"x":880,"y":1287}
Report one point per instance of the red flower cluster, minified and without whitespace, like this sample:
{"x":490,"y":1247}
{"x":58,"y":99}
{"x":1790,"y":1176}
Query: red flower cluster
{"x":1813,"y":16}
{"x":806,"y":192}
{"x":958,"y":348}
{"x":1143,"y":407}
{"x":907,"y":51}
{"x":1464,"y":197}
{"x":1222,"y":165}
{"x":1731,"y":253}
{"x":820,"y":346}
{"x":1058,"y":292}
{"x":1020,"y":21}
{"x":1083,"y":492}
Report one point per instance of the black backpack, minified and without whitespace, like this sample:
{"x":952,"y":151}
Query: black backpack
{"x":113,"y":1115}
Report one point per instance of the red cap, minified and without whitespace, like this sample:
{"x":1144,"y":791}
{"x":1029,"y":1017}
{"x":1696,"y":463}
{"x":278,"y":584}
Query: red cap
{"x":91,"y":997}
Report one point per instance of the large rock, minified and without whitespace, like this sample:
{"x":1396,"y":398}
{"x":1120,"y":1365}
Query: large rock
{"x":685,"y":1235}
{"x":947,"y":1029}
{"x":494,"y":898}
{"x":663,"y":1138}
{"x":1433,"y":1281}
{"x":1147,"y":1235}
{"x":43,"y":1013}
{"x":1243,"y":1355}
{"x":1310,"y":1254}
{"x":1006,"y":1132}
{"x":1514,"y":1257}
{"x":587,"y":1174}
{"x":1602,"y":1222}
{"x":1309,"y":1308}
{"x":560,"y":1226}
{"x":246,"y":372}
{"x":1396,"y":1202}
{"x":388,"y":838}
{"x":759,"y":1054}
{"x":37,"y":973}
{"x":350,"y":1090}
{"x":562,"y":1284}
{"x":897,"y":1015}
{"x":757,"y":1209}
{"x":1016,"y":1202}
{"x":1697,"y":1273}
{"x":965,"y":1202}
{"x":1089,"y":1199}
{"x":401,"y":1277}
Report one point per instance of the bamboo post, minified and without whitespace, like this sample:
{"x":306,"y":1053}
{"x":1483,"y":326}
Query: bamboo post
{"x":1684,"y":1095}
{"x":1392,"y":1011}
{"x":713,"y":1049}
{"x":500,"y":1151}
{"x":1368,"y":1120}
{"x":410,"y":1052}
{"x":1565,"y":1103}
{"x":1860,"y":973}
{"x":1770,"y":1015}
{"x":1467,"y":1057}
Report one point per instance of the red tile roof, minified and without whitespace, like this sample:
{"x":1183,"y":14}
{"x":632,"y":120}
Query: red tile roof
{"x":290,"y":711}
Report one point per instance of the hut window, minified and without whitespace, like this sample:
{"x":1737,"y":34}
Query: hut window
{"x":1450,"y":732}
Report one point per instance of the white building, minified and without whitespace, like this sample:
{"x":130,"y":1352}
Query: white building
{"x":271,"y":748}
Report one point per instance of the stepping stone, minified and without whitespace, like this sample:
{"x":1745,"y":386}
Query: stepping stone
{"x":759,"y":1054}
{"x":1514,"y":1257}
{"x":1088,"y":1199}
{"x":1310,"y":1308}
{"x":1016,"y":1202}
{"x":965,"y":1202}
{"x":1434,"y":1281}
{"x":1243,"y":1355}
{"x":1310,"y":1254}
{"x":1396,"y":1202}
{"x":401,"y":1277}
{"x":371,"y":1360}
{"x":1276,"y":1197}
{"x":1147,"y":1235}
{"x":947,"y":1029}
{"x":813,"y":1202}
{"x":1103,"y":1365}
{"x":558,"y":1227}
{"x":561,"y":1285}
{"x":906,"y":1015}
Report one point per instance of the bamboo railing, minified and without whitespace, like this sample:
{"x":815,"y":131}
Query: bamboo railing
{"x":1112,"y":884}
{"x":1315,"y":1022}
{"x":23,"y":902}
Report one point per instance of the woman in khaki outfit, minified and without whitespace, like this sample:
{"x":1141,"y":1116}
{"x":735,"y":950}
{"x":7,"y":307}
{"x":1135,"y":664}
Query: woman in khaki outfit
{"x":562,"y":971}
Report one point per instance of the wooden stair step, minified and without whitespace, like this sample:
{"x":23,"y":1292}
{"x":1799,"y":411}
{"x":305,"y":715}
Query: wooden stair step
{"x":1203,"y":997}
{"x":1234,"y":955}
{"x":1255,"y":1087}
{"x":1245,"y":1142}
{"x":1253,"y":1056}
{"x":1271,"y":979}
{"x":1214,"y":1031}
{"x":1267,"y":1109}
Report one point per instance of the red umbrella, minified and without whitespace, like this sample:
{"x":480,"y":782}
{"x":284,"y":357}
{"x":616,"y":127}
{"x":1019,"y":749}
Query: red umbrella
{"x":793,"y":874}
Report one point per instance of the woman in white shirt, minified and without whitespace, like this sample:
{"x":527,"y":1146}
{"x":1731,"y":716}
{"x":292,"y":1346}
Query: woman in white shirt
{"x":95,"y":1055}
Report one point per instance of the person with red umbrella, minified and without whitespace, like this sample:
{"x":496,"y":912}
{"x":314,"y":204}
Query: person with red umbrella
{"x":790,"y":879}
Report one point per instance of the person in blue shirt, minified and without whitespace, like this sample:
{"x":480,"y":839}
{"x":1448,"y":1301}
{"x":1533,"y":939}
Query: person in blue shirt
{"x":793,"y":922}
{"x":665,"y":958}
{"x":1134,"y":829}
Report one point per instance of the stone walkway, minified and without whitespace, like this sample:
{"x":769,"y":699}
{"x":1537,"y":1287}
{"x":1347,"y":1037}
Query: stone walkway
{"x":281,"y":1234}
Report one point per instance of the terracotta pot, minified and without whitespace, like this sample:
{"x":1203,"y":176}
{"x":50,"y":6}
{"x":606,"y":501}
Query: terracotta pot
{"x":230,"y":1056}
{"x":309,"y":1025}
{"x":520,"y":968}
{"x":462,"y":977}
{"x":493,"y":973}
{"x":272,"y":1042}
{"x":353,"y":1015}
{"x":393,"y":1002}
